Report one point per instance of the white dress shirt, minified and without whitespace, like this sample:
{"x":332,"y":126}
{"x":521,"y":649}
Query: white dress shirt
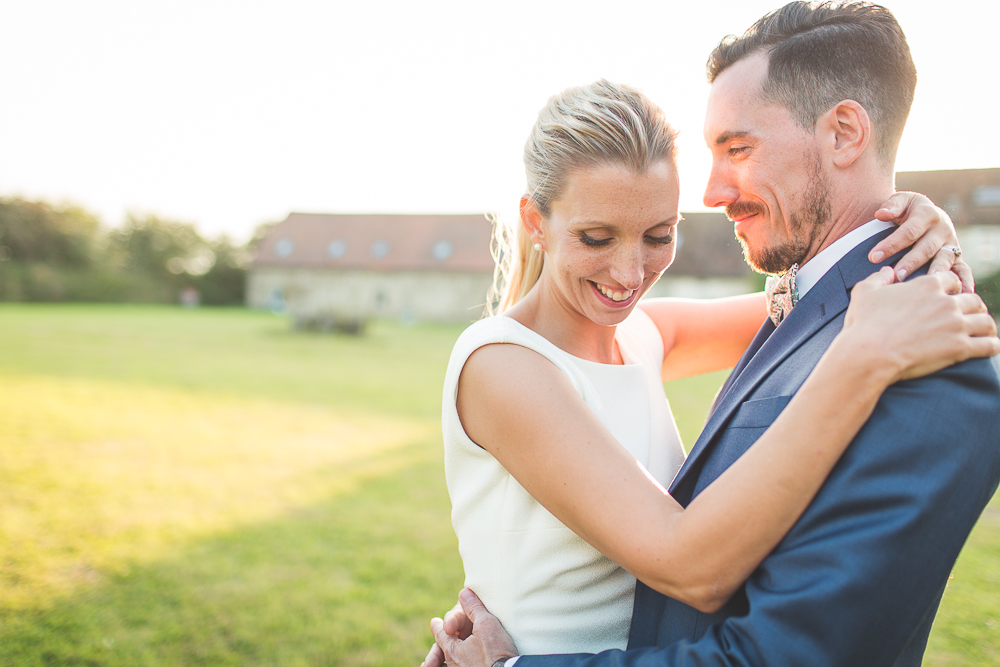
{"x":810,"y":273}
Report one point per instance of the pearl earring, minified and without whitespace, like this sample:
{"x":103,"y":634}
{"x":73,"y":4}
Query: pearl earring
{"x":537,"y":246}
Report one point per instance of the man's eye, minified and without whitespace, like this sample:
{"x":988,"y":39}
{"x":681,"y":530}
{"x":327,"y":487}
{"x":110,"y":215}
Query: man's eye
{"x":738,"y":150}
{"x":591,"y":241}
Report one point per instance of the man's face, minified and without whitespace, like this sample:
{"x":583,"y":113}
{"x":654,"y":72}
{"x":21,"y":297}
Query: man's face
{"x":766,"y":171}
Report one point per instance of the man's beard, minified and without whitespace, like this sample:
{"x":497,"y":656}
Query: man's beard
{"x":804,"y":225}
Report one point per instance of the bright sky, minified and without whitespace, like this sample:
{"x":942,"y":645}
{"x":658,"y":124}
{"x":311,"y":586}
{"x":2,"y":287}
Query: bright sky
{"x":229,"y":114}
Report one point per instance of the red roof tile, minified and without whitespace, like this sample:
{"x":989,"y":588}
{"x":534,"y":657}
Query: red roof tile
{"x":379,"y":242}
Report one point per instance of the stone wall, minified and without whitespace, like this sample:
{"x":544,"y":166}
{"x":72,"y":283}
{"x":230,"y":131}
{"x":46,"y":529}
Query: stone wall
{"x":424,"y":295}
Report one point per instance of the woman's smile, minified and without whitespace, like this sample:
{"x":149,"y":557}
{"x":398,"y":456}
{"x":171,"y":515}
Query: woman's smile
{"x":612,"y":297}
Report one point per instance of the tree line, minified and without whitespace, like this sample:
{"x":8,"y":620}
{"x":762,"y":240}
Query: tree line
{"x":62,"y":253}
{"x":989,"y":289}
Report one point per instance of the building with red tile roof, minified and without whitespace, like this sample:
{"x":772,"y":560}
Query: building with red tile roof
{"x":972,"y":199}
{"x":439,"y":267}
{"x":429,"y":267}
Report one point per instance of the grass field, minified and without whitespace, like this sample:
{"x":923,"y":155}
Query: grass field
{"x":207,"y":487}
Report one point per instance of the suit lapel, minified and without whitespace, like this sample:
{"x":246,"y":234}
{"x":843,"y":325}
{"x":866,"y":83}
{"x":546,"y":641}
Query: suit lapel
{"x":763,"y":334}
{"x":825,"y":301}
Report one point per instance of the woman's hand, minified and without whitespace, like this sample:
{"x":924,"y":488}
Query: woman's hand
{"x":929,"y":230}
{"x":917,"y":327}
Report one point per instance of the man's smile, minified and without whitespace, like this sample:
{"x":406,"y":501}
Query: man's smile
{"x":742,"y":210}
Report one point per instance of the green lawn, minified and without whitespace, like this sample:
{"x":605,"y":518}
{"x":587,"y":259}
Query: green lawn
{"x":207,"y":487}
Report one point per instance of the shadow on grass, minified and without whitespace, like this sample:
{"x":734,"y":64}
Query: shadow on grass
{"x":350,"y":581}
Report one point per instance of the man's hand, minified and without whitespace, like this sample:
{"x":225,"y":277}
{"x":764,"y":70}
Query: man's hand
{"x":456,"y":623}
{"x":469,"y":636}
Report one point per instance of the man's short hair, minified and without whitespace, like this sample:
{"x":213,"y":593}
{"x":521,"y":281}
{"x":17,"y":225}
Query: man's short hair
{"x":821,"y":54}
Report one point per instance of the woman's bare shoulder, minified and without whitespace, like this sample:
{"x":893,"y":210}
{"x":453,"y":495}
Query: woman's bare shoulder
{"x":505,"y":365}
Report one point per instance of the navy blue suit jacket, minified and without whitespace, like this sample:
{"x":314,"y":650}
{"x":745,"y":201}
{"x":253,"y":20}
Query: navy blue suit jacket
{"x":858,"y":578}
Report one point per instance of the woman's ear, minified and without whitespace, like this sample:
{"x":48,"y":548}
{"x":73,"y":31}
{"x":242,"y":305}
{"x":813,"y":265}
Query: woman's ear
{"x":531,"y":220}
{"x":848,"y":130}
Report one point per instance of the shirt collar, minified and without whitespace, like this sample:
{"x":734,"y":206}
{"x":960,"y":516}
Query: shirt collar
{"x":810,"y":273}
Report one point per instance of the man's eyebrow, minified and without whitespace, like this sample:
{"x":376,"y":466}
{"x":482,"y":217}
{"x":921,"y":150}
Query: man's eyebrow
{"x":729,"y":136}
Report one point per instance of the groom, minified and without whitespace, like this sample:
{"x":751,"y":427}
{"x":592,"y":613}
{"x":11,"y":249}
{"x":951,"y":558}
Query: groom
{"x":804,"y":117}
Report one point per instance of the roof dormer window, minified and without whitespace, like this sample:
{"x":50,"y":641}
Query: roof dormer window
{"x":442,"y":250}
{"x":284,"y":247}
{"x":379,"y":249}
{"x":336,"y":249}
{"x":987,"y":195}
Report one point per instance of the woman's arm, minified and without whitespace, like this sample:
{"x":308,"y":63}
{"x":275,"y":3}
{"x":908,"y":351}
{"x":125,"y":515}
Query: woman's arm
{"x":705,"y":335}
{"x":519,"y":407}
{"x":930,"y":232}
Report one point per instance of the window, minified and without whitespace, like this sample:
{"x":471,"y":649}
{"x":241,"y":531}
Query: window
{"x":987,"y":195}
{"x":442,"y":250}
{"x":336,"y":249}
{"x":379,"y":249}
{"x":284,"y":247}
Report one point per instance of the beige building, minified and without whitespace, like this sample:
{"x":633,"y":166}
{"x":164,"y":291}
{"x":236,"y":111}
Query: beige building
{"x":351,"y":267}
{"x":709,"y":261}
{"x":972,"y":199}
{"x":323,"y":267}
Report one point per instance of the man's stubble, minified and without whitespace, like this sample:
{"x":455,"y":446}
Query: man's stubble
{"x":805,"y":225}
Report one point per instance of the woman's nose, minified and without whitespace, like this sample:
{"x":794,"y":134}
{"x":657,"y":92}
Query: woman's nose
{"x":628,"y":267}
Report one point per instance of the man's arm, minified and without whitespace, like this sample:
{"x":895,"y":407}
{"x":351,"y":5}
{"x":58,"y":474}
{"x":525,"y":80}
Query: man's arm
{"x":865,"y":564}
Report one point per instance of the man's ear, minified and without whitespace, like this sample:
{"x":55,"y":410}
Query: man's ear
{"x":846,"y":130}
{"x":531,"y":220}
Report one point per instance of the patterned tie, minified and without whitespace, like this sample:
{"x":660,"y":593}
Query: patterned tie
{"x":782,"y":295}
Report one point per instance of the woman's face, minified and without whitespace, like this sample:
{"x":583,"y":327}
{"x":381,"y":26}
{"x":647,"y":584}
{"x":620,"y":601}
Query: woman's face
{"x":608,"y":238}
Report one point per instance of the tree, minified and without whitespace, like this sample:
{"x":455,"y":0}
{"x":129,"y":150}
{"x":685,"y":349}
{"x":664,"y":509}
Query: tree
{"x":51,"y":253}
{"x":224,"y":284}
{"x":45,"y":249}
{"x":34,"y":231}
{"x":989,"y":290}
{"x":160,"y":248}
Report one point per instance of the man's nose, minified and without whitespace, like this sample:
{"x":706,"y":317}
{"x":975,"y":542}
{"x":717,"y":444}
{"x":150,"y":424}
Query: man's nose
{"x":720,"y":190}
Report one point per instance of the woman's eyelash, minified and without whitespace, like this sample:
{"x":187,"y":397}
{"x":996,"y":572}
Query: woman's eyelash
{"x":596,"y":243}
{"x":591,"y":241}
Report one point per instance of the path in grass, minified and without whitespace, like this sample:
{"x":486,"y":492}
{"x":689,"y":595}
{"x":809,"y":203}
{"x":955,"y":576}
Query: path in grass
{"x":207,"y":487}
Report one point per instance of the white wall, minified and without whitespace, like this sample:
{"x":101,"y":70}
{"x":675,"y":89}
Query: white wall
{"x":424,"y":295}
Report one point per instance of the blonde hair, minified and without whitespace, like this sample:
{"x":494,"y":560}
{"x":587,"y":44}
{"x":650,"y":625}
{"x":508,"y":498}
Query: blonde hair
{"x":582,"y":127}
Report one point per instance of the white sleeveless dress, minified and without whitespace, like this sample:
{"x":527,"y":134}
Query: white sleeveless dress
{"x":552,"y":591}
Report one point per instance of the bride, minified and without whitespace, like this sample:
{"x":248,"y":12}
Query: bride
{"x":559,"y":441}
